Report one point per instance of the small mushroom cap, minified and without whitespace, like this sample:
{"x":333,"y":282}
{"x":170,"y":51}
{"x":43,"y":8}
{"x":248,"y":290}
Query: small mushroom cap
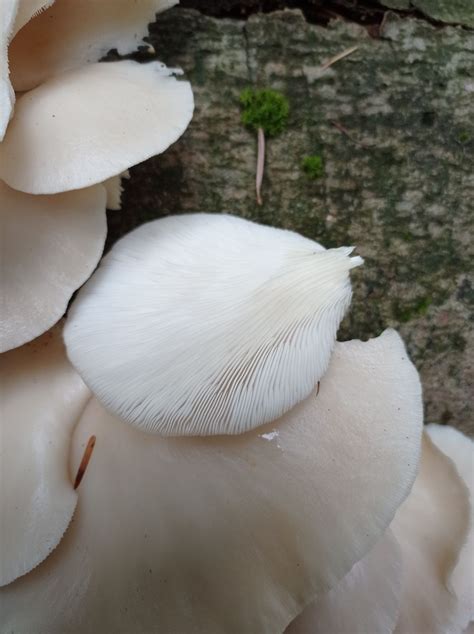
{"x":460,"y":449}
{"x":207,"y":324}
{"x":231,"y":534}
{"x":366,"y":601}
{"x":50,"y":245}
{"x":431,"y":527}
{"x":41,"y":399}
{"x":73,"y":33}
{"x":126,"y":113}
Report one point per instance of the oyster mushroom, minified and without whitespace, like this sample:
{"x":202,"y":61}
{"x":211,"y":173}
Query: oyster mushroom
{"x":41,"y":399}
{"x":231,"y":533}
{"x":50,"y":245}
{"x":82,"y":127}
{"x":114,"y":188}
{"x":7,"y":95}
{"x":460,"y":449}
{"x":431,"y":527}
{"x":367,"y":599}
{"x":70,"y":34}
{"x":208,"y":324}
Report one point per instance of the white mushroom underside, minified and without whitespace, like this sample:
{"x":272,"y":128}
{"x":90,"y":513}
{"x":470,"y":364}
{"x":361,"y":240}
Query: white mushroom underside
{"x":41,"y":399}
{"x":82,"y":127}
{"x":208,"y":324}
{"x":230,"y":534}
{"x":50,"y":245}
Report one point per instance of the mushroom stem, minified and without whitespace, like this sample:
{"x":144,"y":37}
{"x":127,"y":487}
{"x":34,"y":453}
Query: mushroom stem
{"x":85,"y":461}
{"x":260,"y":163}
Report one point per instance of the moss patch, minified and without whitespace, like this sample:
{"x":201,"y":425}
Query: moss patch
{"x":266,"y":109}
{"x":313,"y":166}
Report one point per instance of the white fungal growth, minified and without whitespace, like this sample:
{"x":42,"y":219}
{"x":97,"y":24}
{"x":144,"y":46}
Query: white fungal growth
{"x":208,"y":324}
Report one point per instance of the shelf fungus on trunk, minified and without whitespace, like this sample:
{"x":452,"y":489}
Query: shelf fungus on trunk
{"x":206,"y":324}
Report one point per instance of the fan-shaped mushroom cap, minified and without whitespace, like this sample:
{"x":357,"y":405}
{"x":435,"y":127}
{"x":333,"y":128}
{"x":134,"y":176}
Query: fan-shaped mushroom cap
{"x":72,"y":33}
{"x":208,"y":324}
{"x":460,"y":449}
{"x":7,"y":96}
{"x":126,"y":113}
{"x":431,"y":527}
{"x":234,"y":533}
{"x":366,"y":601}
{"x":50,"y":245}
{"x":41,"y":398}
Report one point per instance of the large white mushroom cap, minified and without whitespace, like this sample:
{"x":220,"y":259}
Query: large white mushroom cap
{"x":231,"y":534}
{"x":41,"y":399}
{"x":208,"y":324}
{"x":84,"y":126}
{"x":49,"y":246}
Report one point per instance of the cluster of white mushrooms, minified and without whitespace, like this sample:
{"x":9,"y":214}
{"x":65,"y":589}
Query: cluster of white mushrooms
{"x":191,"y":451}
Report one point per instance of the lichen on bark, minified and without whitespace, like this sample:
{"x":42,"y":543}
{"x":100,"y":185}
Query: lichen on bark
{"x":394,"y":126}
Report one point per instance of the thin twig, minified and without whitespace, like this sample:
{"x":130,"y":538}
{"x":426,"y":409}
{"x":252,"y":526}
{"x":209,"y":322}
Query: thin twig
{"x":337,"y":57}
{"x":260,"y":164}
{"x":85,"y":461}
{"x":346,"y":132}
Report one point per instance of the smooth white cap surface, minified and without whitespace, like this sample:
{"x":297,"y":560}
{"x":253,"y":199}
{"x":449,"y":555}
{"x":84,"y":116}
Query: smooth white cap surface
{"x":366,"y":601}
{"x":431,"y":527}
{"x":50,"y":245}
{"x":81,"y":127}
{"x":41,"y":399}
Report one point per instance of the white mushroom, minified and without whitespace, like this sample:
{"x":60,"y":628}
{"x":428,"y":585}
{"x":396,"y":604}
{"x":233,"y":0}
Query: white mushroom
{"x":73,"y":33}
{"x":41,"y":398}
{"x":87,"y":125}
{"x":114,"y":188}
{"x":366,"y":601}
{"x":431,"y":528}
{"x":50,"y":245}
{"x":7,"y":95}
{"x":208,"y":324}
{"x":230,"y":534}
{"x":460,"y":449}
{"x":27,"y":10}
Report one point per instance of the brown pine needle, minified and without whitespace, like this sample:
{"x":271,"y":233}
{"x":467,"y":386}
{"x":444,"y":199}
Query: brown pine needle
{"x":85,"y":461}
{"x":337,"y":57}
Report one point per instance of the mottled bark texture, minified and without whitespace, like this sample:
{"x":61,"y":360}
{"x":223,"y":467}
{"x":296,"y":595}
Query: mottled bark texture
{"x":394,"y":125}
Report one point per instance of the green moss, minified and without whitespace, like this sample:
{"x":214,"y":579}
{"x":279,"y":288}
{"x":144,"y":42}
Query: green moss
{"x":418,"y":308}
{"x":464,"y":137}
{"x":265,"y":109}
{"x":313,"y":166}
